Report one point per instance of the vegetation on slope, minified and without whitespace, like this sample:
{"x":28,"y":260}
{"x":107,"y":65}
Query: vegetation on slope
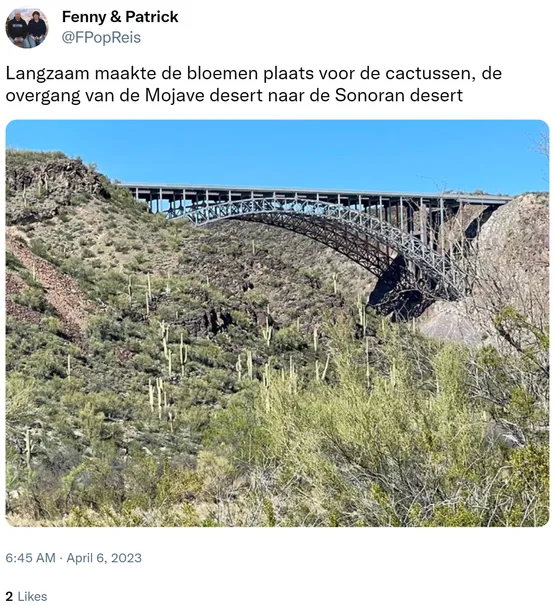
{"x":231,"y":377}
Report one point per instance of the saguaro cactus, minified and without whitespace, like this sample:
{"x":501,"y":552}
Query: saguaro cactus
{"x":267,"y":331}
{"x":362,"y":314}
{"x":151,"y":395}
{"x":367,"y":362}
{"x":322,"y":378}
{"x":183,"y":354}
{"x":28,"y":450}
{"x":159,"y":388}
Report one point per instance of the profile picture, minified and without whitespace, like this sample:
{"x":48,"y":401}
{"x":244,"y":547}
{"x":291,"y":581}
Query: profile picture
{"x":27,"y":27}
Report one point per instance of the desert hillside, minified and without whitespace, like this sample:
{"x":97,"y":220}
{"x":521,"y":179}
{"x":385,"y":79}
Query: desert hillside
{"x":161,"y":374}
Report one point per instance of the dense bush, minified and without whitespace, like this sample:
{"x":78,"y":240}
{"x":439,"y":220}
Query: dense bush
{"x":414,"y":448}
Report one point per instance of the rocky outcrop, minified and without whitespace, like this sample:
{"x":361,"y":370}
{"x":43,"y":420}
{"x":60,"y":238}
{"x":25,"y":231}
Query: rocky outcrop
{"x":512,"y":272}
{"x":513,"y":258}
{"x":38,"y":190}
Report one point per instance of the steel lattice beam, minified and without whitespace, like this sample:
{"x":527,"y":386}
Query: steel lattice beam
{"x":320,"y":221}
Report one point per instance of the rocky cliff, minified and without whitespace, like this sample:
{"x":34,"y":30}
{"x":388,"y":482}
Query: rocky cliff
{"x":511,"y":266}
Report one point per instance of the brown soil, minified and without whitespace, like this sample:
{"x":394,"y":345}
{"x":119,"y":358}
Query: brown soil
{"x":61,"y":291}
{"x":21,"y":313}
{"x":14,"y":284}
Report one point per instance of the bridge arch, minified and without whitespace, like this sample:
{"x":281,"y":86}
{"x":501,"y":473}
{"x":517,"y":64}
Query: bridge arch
{"x":354,"y":233}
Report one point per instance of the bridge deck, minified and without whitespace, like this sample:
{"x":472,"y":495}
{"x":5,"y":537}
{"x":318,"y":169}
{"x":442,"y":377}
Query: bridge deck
{"x":211,"y":193}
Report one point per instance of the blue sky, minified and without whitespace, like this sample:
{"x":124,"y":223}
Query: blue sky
{"x":418,"y":156}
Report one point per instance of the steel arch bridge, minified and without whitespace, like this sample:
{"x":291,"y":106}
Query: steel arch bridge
{"x":373,"y":229}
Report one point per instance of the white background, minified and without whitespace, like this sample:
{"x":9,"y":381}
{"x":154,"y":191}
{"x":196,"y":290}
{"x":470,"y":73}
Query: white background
{"x":298,"y":566}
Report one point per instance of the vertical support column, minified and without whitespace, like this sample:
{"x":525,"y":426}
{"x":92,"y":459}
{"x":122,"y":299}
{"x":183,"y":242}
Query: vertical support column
{"x":137,"y":193}
{"x":380,"y":217}
{"x":410,"y":230}
{"x":159,"y":201}
{"x":182,"y":205}
{"x":402,"y":223}
{"x":457,"y":230}
{"x":423,"y":219}
{"x":388,"y":219}
{"x":442,"y":232}
{"x":442,"y":224}
{"x":368,"y":212}
{"x":431,"y":220}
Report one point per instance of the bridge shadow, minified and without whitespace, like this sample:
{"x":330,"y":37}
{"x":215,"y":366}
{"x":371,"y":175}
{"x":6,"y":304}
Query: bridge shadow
{"x":473,"y":229}
{"x":397,"y":294}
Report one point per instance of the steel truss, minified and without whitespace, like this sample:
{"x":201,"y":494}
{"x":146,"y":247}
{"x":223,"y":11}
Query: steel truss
{"x":355,"y":233}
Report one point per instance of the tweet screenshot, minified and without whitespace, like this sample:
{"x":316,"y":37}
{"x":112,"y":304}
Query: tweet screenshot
{"x":276,"y":303}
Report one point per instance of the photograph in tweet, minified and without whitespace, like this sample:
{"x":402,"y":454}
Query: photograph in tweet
{"x":268,"y":323}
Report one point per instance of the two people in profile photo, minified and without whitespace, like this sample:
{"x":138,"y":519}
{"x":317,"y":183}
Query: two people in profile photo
{"x":26,"y":33}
